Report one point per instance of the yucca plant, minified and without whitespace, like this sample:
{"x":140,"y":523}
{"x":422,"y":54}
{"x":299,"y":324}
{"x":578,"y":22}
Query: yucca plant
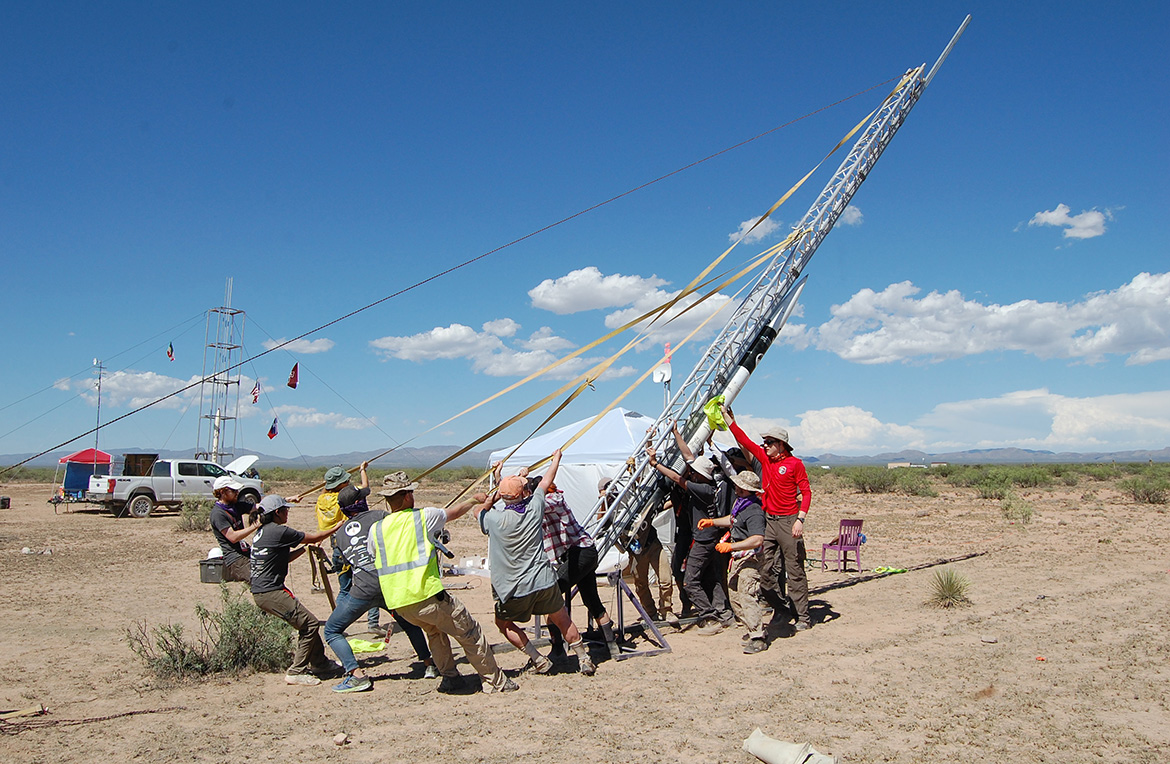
{"x":948,"y":588}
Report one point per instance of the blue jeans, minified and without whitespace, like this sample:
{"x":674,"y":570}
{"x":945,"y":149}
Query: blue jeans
{"x":344,"y":582}
{"x":348,"y":610}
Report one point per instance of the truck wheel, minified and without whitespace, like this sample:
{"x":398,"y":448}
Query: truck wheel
{"x":250,"y":497}
{"x":140,"y":505}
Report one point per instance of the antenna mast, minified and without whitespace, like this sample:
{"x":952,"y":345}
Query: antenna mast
{"x":219,"y":395}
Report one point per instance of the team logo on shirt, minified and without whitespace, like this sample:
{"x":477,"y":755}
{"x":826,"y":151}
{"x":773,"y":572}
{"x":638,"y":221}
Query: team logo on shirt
{"x":353,"y":528}
{"x":782,"y":470}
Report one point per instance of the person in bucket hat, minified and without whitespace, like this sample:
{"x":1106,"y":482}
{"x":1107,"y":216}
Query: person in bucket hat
{"x":329,"y":512}
{"x":745,"y":536}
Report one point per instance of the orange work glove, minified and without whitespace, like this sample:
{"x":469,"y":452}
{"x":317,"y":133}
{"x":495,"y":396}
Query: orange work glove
{"x":706,"y":522}
{"x":723,"y":547}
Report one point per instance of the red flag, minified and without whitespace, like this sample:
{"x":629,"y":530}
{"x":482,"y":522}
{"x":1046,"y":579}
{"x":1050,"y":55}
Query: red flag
{"x":294,"y":376}
{"x":171,"y":351}
{"x":256,"y":392}
{"x":272,"y":431}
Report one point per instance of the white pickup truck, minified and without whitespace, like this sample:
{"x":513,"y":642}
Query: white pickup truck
{"x":167,"y":481}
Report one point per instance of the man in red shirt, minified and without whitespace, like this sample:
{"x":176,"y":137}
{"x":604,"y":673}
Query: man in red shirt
{"x":786,"y":501}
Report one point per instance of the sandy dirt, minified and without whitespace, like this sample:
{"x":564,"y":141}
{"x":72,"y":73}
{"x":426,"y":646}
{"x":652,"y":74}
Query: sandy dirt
{"x":1063,"y":656}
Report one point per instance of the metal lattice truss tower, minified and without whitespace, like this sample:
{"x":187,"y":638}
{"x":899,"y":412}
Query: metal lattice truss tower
{"x":734,"y":354}
{"x":219,"y":395}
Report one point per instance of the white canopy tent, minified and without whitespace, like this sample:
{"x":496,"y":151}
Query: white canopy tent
{"x":599,"y":453}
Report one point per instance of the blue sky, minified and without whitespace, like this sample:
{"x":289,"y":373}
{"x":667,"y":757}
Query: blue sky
{"x":1002,"y":280}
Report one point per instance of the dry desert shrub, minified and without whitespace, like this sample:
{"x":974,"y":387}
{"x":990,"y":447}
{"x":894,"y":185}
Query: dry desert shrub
{"x":1015,"y":508}
{"x":1146,"y":489}
{"x":948,"y":589}
{"x":195,"y":515}
{"x":239,"y":637}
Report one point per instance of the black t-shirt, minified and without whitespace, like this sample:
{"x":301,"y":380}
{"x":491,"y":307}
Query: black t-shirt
{"x":749,"y":521}
{"x":270,"y":551}
{"x":225,"y":518}
{"x":702,"y":496}
{"x":351,"y":539}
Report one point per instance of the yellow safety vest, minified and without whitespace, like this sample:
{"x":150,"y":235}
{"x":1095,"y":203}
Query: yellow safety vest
{"x":408,"y":570}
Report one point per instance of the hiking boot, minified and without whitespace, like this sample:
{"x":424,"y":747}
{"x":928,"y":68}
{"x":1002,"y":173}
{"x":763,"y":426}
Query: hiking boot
{"x":803,"y":625}
{"x":431,"y":672}
{"x":353,"y":683}
{"x":328,"y":669}
{"x":540,"y":665}
{"x":587,"y":668}
{"x":709,"y":627}
{"x":754,"y":646}
{"x":306,"y":680}
{"x":672,"y":620}
{"x":509,"y":686}
{"x":452,"y":683}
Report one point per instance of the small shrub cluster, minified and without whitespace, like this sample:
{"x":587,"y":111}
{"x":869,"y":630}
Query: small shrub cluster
{"x":195,"y":514}
{"x":239,"y":637}
{"x":948,"y":589}
{"x":914,"y":482}
{"x":873,"y":479}
{"x":1015,"y":508}
{"x":1146,"y":489}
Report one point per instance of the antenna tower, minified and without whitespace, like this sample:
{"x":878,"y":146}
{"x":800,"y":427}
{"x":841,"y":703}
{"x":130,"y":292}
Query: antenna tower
{"x":219,"y":395}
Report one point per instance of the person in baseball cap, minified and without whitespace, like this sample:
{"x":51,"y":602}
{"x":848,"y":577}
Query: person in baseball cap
{"x":230,"y":530}
{"x":272,"y":551}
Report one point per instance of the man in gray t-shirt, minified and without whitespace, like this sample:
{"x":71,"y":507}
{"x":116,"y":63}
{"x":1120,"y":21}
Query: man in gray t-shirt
{"x":524,"y":583}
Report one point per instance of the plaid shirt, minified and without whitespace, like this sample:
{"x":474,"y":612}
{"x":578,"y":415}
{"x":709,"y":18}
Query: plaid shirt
{"x":561,"y":529}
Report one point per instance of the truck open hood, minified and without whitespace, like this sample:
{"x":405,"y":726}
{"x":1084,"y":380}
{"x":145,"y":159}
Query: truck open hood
{"x":242,"y":465}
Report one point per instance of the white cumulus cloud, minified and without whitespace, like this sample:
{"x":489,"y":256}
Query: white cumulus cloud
{"x":897,"y":325}
{"x":851,"y":216}
{"x":587,"y":289}
{"x":302,"y":416}
{"x":680,"y":325}
{"x":501,"y":327}
{"x":487,"y":352}
{"x":1087,"y":225}
{"x":749,"y":234}
{"x":308,"y":347}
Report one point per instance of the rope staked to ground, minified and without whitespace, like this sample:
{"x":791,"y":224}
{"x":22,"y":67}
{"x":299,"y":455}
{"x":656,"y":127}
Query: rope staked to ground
{"x":15,"y":727}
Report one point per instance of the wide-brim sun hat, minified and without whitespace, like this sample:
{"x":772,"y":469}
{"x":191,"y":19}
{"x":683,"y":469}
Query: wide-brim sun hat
{"x":336,"y":476}
{"x":748,"y":481}
{"x":775,"y":433}
{"x":395,"y":483}
{"x":704,"y":466}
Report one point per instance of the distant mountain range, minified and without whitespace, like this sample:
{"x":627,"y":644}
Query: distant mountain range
{"x":993,"y":456}
{"x":427,"y":456}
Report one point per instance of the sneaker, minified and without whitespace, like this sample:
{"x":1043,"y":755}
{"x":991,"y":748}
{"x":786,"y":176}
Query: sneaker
{"x":803,"y":625}
{"x":540,"y":665}
{"x":672,"y":620}
{"x":353,"y":683}
{"x":379,"y":630}
{"x":431,"y":672}
{"x":587,"y":668}
{"x":754,"y":646}
{"x":727,"y":619}
{"x":509,"y":686}
{"x":709,"y":627}
{"x":307,"y":680}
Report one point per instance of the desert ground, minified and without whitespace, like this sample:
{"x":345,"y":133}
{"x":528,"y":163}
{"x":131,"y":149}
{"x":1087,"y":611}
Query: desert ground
{"x":1062,"y":657}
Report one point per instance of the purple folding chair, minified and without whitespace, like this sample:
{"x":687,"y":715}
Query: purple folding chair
{"x":848,"y":539}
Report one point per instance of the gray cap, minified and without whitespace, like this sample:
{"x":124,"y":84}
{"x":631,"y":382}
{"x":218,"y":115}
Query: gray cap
{"x":271,"y":503}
